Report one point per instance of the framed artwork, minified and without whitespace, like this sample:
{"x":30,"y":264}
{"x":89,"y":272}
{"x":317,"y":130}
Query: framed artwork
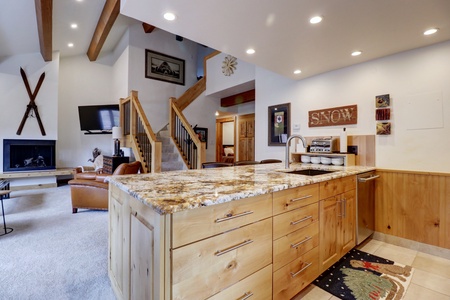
{"x":202,"y":134}
{"x":279,"y":124}
{"x":382,"y":101}
{"x":164,"y":67}
{"x":384,"y":128}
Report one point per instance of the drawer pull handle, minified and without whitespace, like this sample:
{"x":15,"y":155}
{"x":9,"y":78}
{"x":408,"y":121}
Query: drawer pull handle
{"x":301,"y":220}
{"x":221,"y":252}
{"x":301,"y":270}
{"x":231,"y":216}
{"x":301,"y":242}
{"x":301,"y":198}
{"x":245,"y":296}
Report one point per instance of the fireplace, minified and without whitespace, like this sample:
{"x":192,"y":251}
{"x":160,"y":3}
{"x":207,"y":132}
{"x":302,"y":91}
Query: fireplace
{"x":28,"y":155}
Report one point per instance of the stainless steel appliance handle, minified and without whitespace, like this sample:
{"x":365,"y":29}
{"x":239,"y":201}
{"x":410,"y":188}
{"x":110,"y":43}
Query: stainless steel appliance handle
{"x":365,"y":179}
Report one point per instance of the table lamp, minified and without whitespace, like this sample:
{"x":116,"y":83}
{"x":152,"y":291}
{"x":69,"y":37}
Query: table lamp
{"x":116,"y":135}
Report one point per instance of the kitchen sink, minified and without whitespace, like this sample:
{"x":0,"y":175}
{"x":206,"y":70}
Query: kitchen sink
{"x":310,"y":172}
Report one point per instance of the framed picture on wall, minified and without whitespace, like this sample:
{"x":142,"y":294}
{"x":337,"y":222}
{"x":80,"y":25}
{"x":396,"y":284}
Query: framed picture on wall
{"x":279,"y":127}
{"x":202,"y":134}
{"x":164,"y":67}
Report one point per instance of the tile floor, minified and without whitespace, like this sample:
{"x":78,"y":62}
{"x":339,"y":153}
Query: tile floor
{"x":431,"y":277}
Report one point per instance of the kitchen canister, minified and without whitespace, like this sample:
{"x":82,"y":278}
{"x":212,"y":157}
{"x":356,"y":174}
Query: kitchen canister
{"x":343,"y":141}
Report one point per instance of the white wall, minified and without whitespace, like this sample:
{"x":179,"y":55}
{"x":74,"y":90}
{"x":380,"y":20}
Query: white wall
{"x":424,"y":71}
{"x":14,"y":97}
{"x":82,"y":82}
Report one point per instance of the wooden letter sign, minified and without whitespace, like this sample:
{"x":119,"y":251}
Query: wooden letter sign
{"x":333,"y":116}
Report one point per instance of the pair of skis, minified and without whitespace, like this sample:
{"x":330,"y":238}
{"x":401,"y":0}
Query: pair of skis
{"x":31,"y":105}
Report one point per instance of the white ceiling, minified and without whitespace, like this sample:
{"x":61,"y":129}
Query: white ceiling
{"x":279,"y":31}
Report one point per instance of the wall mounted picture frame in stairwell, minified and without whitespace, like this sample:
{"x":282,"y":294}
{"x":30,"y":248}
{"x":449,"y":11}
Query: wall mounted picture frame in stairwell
{"x":279,"y":124}
{"x":202,"y":134}
{"x":164,"y":67}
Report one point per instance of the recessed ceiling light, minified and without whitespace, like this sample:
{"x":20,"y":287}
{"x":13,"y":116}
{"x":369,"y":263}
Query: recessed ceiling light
{"x":431,"y":31}
{"x":74,"y":25}
{"x":70,"y":45}
{"x":356,"y":53}
{"x":315,"y":20}
{"x":169,"y":16}
{"x":250,"y":51}
{"x":297,"y":71}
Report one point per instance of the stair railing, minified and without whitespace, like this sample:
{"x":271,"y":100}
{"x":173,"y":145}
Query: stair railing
{"x":188,"y":144}
{"x":192,"y":150}
{"x":139,"y":134}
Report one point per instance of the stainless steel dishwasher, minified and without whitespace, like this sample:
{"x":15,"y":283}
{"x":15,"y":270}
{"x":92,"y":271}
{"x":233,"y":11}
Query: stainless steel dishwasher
{"x":365,"y":206}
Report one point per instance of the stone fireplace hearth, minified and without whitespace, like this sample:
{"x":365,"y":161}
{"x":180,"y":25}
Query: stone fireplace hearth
{"x":28,"y":155}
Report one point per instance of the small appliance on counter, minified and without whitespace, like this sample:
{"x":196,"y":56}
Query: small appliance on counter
{"x":323,"y":145}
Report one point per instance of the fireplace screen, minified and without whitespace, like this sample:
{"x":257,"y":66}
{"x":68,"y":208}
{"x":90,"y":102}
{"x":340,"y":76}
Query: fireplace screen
{"x":28,"y":155}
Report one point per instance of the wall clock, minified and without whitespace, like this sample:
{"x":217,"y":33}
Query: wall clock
{"x":229,"y":65}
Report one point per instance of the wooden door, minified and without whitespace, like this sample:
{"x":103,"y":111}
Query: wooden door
{"x":329,"y":226}
{"x":246,"y":137}
{"x":348,"y":222}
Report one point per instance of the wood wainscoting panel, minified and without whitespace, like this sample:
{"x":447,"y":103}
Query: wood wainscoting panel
{"x":414,"y":206}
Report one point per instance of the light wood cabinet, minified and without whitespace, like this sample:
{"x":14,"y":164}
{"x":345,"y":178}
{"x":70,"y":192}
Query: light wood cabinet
{"x":296,"y":240}
{"x":265,"y":247}
{"x":246,"y":146}
{"x":337,"y":219}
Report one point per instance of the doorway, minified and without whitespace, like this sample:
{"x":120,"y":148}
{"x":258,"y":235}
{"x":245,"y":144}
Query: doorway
{"x":226,"y":139}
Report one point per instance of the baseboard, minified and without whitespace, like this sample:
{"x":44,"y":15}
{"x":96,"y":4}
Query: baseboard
{"x":413,"y":245}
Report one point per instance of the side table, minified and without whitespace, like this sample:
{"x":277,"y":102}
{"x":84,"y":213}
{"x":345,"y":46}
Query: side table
{"x":110,"y":163}
{"x":7,"y":230}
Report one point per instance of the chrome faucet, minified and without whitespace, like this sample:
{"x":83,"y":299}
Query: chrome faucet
{"x":287,"y":147}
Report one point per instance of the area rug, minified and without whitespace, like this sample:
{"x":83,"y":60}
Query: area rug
{"x":360,"y":276}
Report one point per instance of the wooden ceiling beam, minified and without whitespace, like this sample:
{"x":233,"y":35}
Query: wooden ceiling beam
{"x":240,"y":98}
{"x":109,"y":15}
{"x":148,"y":28}
{"x":44,"y":11}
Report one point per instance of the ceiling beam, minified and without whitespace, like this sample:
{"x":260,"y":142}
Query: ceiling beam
{"x":44,"y":10}
{"x":148,"y":28}
{"x":237,"y":99}
{"x":109,"y":15}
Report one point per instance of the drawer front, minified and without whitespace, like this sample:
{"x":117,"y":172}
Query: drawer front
{"x":205,"y":268}
{"x":291,"y":199}
{"x":329,"y":188}
{"x":257,"y":286}
{"x":292,"y":278}
{"x":292,"y":246}
{"x":291,"y":221}
{"x":348,"y":183}
{"x":197,"y":224}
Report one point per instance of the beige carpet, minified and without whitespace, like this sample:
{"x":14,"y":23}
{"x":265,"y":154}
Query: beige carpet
{"x":52,"y":253}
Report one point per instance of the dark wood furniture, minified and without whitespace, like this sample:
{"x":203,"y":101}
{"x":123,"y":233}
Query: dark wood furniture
{"x":110,"y":163}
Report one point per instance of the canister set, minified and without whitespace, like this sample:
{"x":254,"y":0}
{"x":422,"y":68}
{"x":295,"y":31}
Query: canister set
{"x":337,"y":161}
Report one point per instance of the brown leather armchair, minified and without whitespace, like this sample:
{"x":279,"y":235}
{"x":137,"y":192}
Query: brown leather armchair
{"x":89,"y":189}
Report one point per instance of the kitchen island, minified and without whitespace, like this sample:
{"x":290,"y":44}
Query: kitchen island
{"x":228,"y":233}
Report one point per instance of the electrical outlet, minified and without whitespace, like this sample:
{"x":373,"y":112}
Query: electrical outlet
{"x":352,"y":149}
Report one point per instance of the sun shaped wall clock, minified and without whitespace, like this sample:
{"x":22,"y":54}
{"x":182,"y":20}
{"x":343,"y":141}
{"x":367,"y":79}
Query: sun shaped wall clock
{"x":229,"y":65}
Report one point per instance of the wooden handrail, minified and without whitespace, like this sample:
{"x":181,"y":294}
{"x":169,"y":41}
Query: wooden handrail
{"x":139,"y":134}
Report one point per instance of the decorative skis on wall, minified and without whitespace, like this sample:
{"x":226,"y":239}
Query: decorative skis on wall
{"x":32,"y":104}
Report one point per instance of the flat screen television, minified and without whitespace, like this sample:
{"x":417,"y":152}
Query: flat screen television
{"x":99,"y":118}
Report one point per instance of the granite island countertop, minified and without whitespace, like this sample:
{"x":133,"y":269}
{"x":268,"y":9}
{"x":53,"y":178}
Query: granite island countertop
{"x":174,"y":191}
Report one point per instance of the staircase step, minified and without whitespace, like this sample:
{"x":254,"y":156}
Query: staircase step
{"x":164,"y":134}
{"x":172,"y":166}
{"x":167,"y":156}
{"x":168,"y":148}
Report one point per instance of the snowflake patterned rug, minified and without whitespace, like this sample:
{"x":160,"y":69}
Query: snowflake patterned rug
{"x":362,"y":276}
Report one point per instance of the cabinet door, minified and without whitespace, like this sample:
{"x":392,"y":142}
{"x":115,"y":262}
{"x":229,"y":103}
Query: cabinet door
{"x":348,"y":221}
{"x":329,"y":226}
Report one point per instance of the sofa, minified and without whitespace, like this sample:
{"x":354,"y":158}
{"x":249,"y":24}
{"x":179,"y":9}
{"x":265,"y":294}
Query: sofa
{"x":90,"y":190}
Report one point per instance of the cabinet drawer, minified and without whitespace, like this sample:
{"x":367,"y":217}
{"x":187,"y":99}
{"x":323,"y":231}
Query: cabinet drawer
{"x":348,"y":183}
{"x":292,"y":278}
{"x":329,"y":188}
{"x":291,"y":221}
{"x":196,"y":224}
{"x":257,"y":286}
{"x":290,"y":199}
{"x":292,"y":246}
{"x":206,"y":267}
